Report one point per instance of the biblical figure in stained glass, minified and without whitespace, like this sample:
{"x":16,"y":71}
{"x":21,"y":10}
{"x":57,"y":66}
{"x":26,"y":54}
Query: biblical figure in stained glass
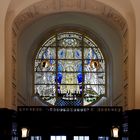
{"x":69,"y":70}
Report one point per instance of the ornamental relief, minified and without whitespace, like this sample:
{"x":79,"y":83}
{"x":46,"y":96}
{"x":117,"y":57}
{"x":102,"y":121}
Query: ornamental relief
{"x":44,"y":8}
{"x":47,"y":7}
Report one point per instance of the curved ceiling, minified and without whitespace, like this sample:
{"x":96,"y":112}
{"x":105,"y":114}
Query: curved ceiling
{"x":26,"y":12}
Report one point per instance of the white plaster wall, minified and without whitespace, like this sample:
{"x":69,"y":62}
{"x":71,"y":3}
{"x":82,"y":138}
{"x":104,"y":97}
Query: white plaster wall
{"x":127,"y":11}
{"x":3,"y":9}
{"x":136,"y":7}
{"x":123,"y":6}
{"x":18,"y":5}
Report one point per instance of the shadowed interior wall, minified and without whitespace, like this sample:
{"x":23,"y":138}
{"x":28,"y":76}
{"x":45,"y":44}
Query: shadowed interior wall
{"x":107,"y":35}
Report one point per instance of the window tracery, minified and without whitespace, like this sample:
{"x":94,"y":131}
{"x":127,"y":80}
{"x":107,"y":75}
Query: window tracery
{"x":69,"y":70}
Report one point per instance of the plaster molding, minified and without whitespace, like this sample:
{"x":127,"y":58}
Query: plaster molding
{"x":45,"y":8}
{"x":48,"y":7}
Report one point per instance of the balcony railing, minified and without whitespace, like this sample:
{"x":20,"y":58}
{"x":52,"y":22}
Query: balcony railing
{"x":69,"y":109}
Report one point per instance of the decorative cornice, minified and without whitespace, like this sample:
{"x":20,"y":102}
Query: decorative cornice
{"x":47,"y":7}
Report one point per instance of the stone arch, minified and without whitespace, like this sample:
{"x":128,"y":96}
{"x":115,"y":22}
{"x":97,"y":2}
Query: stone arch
{"x":46,"y":8}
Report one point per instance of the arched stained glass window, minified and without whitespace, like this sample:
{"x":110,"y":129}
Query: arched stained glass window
{"x":69,"y":70}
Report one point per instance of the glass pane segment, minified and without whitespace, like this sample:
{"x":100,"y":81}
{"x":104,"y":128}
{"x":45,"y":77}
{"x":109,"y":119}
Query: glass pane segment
{"x":45,"y":90}
{"x":69,"y":35}
{"x":92,"y":93}
{"x":89,"y":53}
{"x":69,"y":65}
{"x":46,"y":93}
{"x":36,"y":138}
{"x":69,"y":42}
{"x":69,"y":39}
{"x":94,"y":78}
{"x":63,"y":137}
{"x":45,"y":65}
{"x":69,"y":69}
{"x":75,"y":137}
{"x":89,"y":42}
{"x":103,"y":138}
{"x":46,"y":53}
{"x":70,"y":78}
{"x":91,"y":65}
{"x":81,"y":138}
{"x":69,"y":89}
{"x":98,"y":53}
{"x":50,"y":42}
{"x":69,"y":53}
{"x":53,"y":138}
{"x":86,"y":137}
{"x":44,"y":78}
{"x":94,"y":90}
{"x":92,"y":53}
{"x":58,"y":137}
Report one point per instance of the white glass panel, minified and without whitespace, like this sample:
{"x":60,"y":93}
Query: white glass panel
{"x":75,"y":137}
{"x":52,"y":137}
{"x":86,"y":137}
{"x":81,"y":138}
{"x":63,"y":138}
{"x":58,"y":137}
{"x":36,"y":138}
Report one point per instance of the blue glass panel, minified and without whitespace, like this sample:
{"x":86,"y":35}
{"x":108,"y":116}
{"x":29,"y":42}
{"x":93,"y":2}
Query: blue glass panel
{"x":89,"y":53}
{"x":46,"y":53}
{"x":78,"y":69}
{"x":69,"y":53}
{"x":80,"y":78}
{"x":63,"y":102}
{"x":59,"y":78}
{"x":60,"y":67}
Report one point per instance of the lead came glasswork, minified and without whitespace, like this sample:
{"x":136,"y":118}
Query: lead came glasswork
{"x":69,"y":70}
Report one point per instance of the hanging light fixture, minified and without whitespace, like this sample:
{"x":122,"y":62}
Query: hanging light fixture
{"x":24,"y":132}
{"x":115,"y":132}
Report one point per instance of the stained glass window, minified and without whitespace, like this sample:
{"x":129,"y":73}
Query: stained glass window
{"x":69,"y":70}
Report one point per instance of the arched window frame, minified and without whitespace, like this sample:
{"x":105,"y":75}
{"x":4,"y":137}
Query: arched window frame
{"x":56,"y":96}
